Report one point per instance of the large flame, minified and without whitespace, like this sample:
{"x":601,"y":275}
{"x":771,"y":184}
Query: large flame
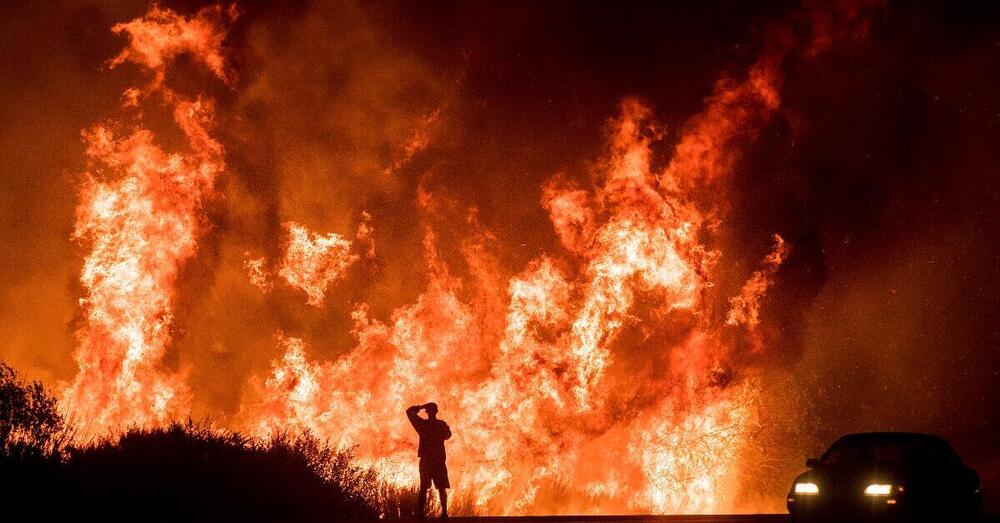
{"x":533,"y":404}
{"x":312,"y":261}
{"x":599,"y":378}
{"x":140,"y":214}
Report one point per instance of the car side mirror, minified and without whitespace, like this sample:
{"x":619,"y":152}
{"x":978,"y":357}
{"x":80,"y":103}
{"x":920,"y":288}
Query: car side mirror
{"x":812,"y":463}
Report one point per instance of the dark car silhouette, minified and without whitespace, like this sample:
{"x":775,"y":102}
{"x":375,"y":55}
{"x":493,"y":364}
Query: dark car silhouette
{"x":886,"y":476}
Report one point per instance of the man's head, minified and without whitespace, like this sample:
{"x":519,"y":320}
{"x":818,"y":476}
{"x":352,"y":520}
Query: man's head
{"x":432,"y":409}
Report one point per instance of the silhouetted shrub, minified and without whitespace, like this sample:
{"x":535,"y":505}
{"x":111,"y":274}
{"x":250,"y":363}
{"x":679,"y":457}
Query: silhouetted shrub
{"x":182,"y":472}
{"x":32,"y":438}
{"x":185,"y":472}
{"x":30,"y":422}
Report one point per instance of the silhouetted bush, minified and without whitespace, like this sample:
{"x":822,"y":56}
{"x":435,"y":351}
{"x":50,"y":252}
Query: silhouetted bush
{"x":182,"y":472}
{"x":30,"y":423}
{"x":187,"y":472}
{"x":32,"y":438}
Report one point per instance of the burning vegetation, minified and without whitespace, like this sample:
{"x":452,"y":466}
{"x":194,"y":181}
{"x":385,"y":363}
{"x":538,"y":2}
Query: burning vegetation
{"x":528,"y":368}
{"x":617,"y":369}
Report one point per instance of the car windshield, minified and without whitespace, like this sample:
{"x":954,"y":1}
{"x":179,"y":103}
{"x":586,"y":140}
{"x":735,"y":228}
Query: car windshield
{"x":866,"y":450}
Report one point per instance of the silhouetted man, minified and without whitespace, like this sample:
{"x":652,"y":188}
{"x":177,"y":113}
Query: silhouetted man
{"x":432,"y":433}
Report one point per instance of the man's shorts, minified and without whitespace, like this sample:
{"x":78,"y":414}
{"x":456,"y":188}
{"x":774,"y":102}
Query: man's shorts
{"x":433,"y":470}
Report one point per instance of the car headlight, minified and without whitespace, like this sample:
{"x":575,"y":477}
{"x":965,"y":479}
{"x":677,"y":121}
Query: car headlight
{"x":878,"y":489}
{"x":806,"y":488}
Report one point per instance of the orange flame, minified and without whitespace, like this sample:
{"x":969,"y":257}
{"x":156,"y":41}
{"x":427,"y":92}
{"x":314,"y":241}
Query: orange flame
{"x":547,"y":400}
{"x":418,"y":141}
{"x":535,"y":409}
{"x":745,"y":308}
{"x":600,"y":373}
{"x":139,"y":212}
{"x":256,"y":268}
{"x":162,"y":35}
{"x":312,"y":261}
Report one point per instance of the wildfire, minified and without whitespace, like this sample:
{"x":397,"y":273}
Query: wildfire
{"x":140,"y":214}
{"x":418,"y":141}
{"x":746,"y":307}
{"x":544,"y":408}
{"x":536,"y":413}
{"x":312,"y":261}
{"x":602,"y":369}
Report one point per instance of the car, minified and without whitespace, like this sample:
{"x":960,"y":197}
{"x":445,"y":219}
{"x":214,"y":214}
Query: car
{"x":886,"y":476}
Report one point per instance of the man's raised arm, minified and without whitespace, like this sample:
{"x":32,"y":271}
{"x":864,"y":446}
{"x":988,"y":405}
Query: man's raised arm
{"x":411,"y":413}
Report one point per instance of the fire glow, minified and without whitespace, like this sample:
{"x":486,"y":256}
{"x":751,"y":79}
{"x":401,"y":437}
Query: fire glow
{"x":531,"y":373}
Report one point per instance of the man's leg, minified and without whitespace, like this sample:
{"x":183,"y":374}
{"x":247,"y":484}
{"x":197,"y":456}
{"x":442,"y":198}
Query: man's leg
{"x":443,"y":492}
{"x":425,"y":483}
{"x":421,"y":502}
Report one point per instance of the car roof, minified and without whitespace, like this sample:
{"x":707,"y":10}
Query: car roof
{"x":893,"y":437}
{"x":937,"y":445}
{"x":902,"y":436}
